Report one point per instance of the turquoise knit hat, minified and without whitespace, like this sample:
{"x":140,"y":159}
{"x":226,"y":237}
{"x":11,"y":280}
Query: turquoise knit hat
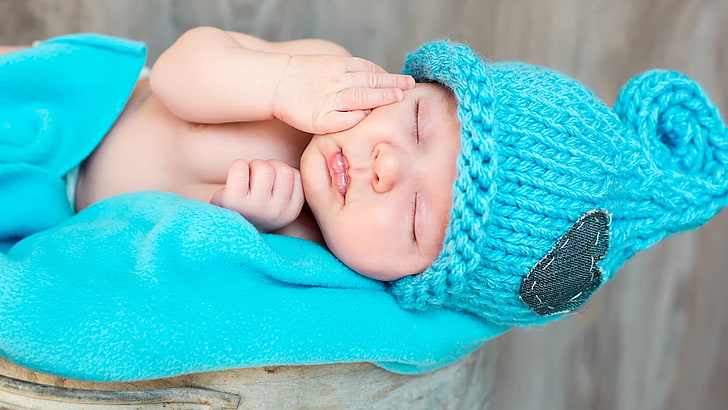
{"x":555,"y":190}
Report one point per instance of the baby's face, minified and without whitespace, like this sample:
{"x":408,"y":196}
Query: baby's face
{"x":381,"y":192}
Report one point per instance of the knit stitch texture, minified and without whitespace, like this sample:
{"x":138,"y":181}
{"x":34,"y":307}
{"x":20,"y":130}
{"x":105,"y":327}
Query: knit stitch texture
{"x":539,"y":151}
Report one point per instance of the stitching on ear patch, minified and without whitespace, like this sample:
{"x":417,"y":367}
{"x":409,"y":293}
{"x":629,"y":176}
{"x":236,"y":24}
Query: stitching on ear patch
{"x":564,"y":279}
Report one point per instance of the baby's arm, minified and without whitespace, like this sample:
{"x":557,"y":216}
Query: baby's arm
{"x":10,"y":49}
{"x":213,"y":76}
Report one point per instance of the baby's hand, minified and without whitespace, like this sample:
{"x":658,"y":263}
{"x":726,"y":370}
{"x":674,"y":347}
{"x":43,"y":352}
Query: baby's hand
{"x":266,"y":192}
{"x":320,"y":94}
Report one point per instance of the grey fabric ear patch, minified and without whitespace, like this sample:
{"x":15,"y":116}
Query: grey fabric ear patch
{"x":564,"y":279}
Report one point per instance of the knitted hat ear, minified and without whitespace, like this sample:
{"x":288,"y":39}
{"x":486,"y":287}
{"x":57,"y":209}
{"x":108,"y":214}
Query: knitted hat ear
{"x":679,"y":126}
{"x":685,"y":143}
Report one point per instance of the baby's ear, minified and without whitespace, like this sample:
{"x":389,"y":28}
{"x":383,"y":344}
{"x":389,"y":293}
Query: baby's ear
{"x":676,"y":122}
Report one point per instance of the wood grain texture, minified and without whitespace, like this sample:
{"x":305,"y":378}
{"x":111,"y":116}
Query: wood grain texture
{"x":462,"y":385}
{"x":656,"y":336}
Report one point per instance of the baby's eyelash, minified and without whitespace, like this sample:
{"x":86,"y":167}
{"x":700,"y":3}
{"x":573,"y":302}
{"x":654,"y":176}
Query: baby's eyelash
{"x":414,"y":219}
{"x":416,"y":122}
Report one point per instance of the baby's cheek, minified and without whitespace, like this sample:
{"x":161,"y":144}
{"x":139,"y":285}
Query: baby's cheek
{"x":381,"y":260}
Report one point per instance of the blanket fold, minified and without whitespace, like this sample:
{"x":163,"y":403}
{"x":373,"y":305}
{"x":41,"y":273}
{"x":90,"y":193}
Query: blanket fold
{"x":57,"y":101}
{"x":150,"y":285}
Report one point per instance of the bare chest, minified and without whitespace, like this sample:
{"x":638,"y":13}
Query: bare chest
{"x":151,"y":149}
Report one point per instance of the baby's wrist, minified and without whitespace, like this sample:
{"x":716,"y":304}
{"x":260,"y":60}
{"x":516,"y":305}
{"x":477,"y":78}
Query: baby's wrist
{"x":278,"y":100}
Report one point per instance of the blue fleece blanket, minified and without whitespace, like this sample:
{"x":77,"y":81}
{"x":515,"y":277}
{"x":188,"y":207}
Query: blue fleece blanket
{"x":150,"y":285}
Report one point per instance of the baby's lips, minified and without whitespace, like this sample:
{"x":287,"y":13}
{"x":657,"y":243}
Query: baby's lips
{"x":338,"y":167}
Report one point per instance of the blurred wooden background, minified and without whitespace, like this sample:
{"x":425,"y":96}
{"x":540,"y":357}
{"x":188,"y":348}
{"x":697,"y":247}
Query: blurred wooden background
{"x":657,"y":336}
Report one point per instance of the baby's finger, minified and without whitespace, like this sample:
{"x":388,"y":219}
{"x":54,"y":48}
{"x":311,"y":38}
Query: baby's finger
{"x":262,"y":176}
{"x":353,"y":99}
{"x":288,"y":193}
{"x":236,"y":187}
{"x":238,"y":178}
{"x":285,"y":179}
{"x":336,"y":121}
{"x":380,"y":80}
{"x":297,"y":197}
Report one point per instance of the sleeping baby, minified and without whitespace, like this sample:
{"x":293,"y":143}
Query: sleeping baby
{"x":505,"y":190}
{"x":255,"y":127}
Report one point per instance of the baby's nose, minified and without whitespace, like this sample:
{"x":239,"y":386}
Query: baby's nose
{"x":387,"y":167}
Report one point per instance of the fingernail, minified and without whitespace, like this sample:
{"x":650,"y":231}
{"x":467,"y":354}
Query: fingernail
{"x":398,"y":94}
